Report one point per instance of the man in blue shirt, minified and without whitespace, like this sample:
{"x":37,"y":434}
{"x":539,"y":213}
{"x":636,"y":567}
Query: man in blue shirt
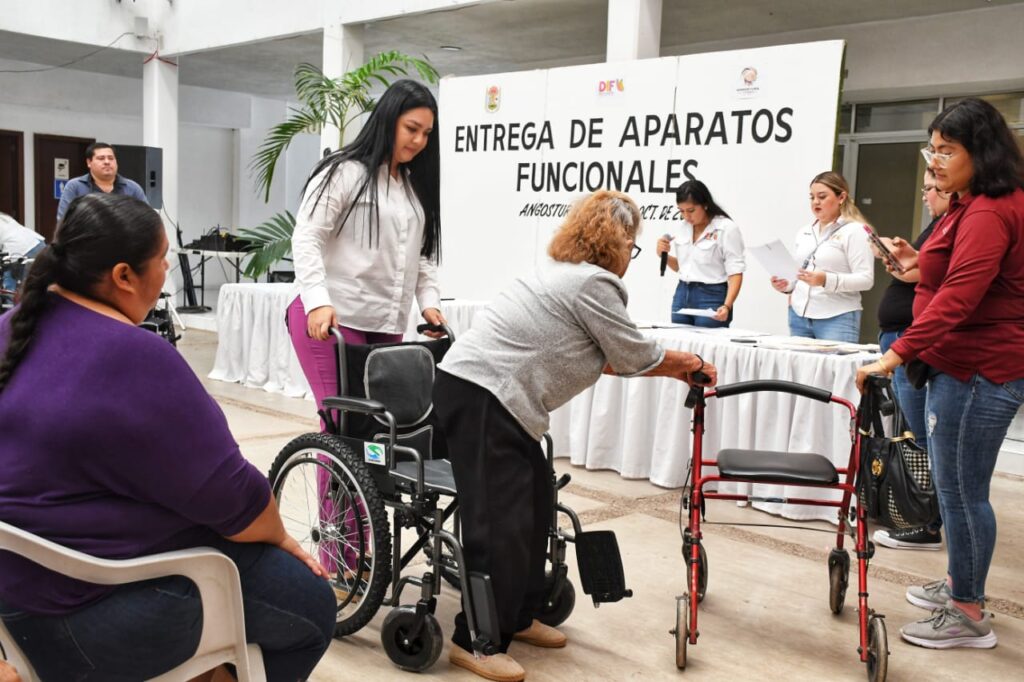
{"x":102,"y":177}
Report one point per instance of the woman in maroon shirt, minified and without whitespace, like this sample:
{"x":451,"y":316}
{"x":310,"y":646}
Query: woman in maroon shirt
{"x":966,"y":343}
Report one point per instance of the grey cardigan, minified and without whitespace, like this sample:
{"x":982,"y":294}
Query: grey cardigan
{"x":548,"y":337}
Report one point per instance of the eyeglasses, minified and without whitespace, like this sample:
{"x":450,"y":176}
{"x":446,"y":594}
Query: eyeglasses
{"x":940,"y":159}
{"x":636,"y":252}
{"x":929,"y":188}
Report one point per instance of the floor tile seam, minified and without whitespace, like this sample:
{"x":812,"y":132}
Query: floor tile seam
{"x":607,"y":497}
{"x":268,"y":411}
{"x":284,"y":435}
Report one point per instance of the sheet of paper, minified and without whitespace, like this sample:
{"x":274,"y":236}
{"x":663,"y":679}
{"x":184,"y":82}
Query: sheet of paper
{"x":697,"y":312}
{"x":776,"y":259}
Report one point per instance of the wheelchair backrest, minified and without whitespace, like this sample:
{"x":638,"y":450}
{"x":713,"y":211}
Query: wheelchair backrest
{"x":401,"y":376}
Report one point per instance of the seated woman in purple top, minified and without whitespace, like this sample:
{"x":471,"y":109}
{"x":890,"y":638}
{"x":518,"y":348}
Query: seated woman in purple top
{"x":111,"y":446}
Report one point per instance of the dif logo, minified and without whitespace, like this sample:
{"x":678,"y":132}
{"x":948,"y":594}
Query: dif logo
{"x":610,"y":87}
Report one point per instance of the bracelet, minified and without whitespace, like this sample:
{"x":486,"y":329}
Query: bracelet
{"x":694,"y":371}
{"x":882,"y":363}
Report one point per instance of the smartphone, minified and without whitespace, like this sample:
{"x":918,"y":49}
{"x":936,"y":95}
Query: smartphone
{"x":890,"y":259}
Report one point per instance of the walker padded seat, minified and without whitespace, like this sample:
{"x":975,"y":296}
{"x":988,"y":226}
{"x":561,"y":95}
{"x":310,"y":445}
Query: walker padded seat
{"x":437,"y":474}
{"x":777,"y":467}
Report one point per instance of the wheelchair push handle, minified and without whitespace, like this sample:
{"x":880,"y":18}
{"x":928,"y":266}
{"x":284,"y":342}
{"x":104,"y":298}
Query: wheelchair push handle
{"x":441,"y":328}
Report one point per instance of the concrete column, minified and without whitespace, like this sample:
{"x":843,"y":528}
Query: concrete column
{"x":343,"y":51}
{"x":160,"y":126}
{"x":634,"y":30}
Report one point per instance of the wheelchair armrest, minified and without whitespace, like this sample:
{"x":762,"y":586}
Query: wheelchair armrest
{"x":350,"y":404}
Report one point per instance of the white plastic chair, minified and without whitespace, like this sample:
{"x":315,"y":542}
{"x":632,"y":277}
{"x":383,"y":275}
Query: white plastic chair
{"x":216,"y":576}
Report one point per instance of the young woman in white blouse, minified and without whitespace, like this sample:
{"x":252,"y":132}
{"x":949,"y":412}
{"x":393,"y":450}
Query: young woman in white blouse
{"x":708,"y":255}
{"x":367,"y":235}
{"x":367,"y":240}
{"x":836,"y":265}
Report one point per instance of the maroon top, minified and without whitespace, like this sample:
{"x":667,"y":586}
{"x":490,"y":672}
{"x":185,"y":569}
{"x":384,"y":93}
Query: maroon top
{"x":969,"y":309}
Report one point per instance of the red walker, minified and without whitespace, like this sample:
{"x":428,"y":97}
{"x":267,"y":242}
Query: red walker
{"x":781,"y":468}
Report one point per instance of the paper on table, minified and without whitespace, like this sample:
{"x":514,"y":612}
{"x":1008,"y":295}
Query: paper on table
{"x":697,"y":312}
{"x":776,"y":259}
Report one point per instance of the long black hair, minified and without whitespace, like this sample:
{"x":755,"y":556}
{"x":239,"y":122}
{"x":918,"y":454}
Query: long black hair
{"x":374,"y":147}
{"x":697,"y":192}
{"x":98,"y":232}
{"x":981,"y":129}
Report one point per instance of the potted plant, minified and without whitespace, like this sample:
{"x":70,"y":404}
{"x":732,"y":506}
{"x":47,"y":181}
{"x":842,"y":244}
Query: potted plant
{"x":324,"y":101}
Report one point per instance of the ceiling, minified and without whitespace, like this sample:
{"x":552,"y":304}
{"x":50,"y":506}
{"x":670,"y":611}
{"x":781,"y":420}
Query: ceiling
{"x":495,"y":37}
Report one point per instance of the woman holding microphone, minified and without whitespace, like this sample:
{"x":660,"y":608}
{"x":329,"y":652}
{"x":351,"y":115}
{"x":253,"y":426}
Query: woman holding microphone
{"x":708,"y":256}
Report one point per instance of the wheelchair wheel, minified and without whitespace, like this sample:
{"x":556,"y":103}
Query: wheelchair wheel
{"x":878,"y":650}
{"x":682,"y":629}
{"x":330,"y":504}
{"x":556,"y":610}
{"x":413,"y":653}
{"x":838,"y":579}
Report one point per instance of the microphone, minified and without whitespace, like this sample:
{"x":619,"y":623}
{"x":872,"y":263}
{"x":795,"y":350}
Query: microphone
{"x":664,"y":256}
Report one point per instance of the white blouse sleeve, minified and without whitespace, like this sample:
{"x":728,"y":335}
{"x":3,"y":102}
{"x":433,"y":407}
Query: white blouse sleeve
{"x":732,"y":249}
{"x":862,"y":264}
{"x":315,"y":224}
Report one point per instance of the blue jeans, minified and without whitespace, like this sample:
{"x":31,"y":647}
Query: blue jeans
{"x":703,"y":296}
{"x":844,"y":327}
{"x":967,"y":422}
{"x":144,"y":629}
{"x":911,"y":402}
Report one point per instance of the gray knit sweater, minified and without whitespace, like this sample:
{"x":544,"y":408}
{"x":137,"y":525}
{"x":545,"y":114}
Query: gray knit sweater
{"x":548,"y":337}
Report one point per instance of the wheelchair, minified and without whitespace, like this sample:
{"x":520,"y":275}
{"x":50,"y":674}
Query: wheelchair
{"x":13,"y":270}
{"x":160,"y":320}
{"x":782,"y":468}
{"x":347,"y":495}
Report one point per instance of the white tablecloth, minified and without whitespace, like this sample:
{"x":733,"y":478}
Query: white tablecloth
{"x":641,"y":429}
{"x":253,"y":346}
{"x":637,"y":427}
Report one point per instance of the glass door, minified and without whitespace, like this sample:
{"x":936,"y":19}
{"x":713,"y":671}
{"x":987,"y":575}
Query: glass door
{"x":888,"y":192}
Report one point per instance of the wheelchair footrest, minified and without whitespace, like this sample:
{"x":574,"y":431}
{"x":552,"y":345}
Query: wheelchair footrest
{"x":600,"y":564}
{"x":485,"y":614}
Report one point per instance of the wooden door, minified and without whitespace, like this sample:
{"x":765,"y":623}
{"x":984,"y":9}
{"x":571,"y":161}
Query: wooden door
{"x":12,"y":174}
{"x":48,"y":150}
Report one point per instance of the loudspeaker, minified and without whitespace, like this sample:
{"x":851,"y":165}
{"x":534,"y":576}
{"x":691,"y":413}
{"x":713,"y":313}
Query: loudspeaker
{"x":144,"y":165}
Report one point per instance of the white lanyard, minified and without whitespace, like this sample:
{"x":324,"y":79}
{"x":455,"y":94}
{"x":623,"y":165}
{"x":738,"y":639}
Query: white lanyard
{"x":838,"y":225}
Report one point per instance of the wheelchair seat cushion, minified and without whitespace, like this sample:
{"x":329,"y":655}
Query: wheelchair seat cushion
{"x":437,"y":474}
{"x":781,"y":467}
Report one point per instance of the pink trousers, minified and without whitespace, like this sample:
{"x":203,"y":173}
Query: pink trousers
{"x":319,"y":362}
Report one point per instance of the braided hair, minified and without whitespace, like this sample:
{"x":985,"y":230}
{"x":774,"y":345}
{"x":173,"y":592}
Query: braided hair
{"x":97,"y":232}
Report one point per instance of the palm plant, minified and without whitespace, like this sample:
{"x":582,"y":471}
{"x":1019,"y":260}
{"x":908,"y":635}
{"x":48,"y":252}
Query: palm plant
{"x":324,"y":101}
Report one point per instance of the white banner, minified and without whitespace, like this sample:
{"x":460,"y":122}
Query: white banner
{"x":519,"y":148}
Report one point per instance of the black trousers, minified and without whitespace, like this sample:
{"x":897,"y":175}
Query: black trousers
{"x":505,"y":500}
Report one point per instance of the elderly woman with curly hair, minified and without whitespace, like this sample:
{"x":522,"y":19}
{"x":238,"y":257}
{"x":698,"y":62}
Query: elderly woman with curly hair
{"x":543,"y":341}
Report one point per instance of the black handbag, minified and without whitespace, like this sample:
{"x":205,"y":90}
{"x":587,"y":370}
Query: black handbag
{"x":894,"y":479}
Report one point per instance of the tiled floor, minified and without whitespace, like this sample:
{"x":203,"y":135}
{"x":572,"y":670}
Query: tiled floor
{"x":766,"y":616}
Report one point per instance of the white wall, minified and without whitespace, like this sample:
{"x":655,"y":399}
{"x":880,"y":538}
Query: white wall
{"x":219,"y":133}
{"x":976,"y":51}
{"x":95,"y":22}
